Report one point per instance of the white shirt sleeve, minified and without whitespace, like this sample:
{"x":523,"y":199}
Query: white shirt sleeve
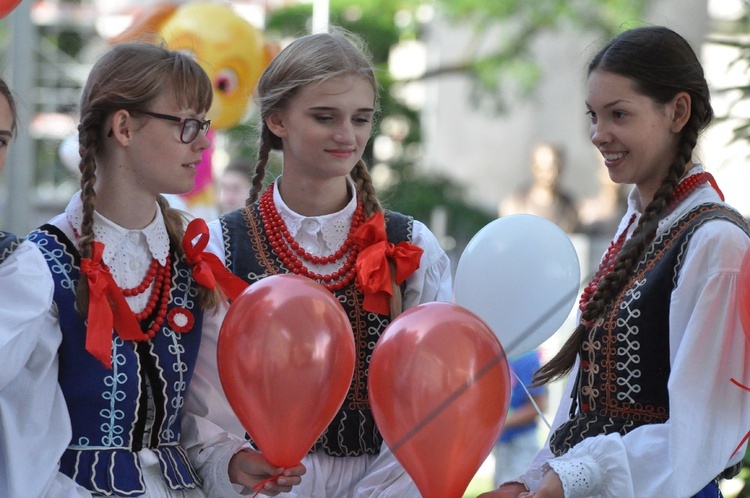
{"x":709,"y":414}
{"x":432,"y":281}
{"x":211,"y":433}
{"x":34,"y":423}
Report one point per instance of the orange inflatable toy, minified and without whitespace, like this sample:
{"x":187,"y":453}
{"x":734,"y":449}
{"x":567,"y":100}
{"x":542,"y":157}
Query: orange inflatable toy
{"x":231,"y":50}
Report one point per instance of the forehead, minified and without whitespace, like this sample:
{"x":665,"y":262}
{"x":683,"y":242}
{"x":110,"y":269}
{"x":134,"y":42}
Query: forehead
{"x":339,"y":91}
{"x":605,"y":87}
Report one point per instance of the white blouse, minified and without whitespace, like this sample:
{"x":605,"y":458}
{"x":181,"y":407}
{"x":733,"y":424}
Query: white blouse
{"x":209,"y":412}
{"x":708,"y":414}
{"x":34,"y":423}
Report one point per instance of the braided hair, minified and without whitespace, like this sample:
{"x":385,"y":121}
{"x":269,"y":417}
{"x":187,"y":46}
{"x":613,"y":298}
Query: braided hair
{"x":131,"y":76}
{"x":307,"y":60}
{"x":660,"y":64}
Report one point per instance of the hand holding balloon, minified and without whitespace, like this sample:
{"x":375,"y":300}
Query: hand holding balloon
{"x":250,"y":469}
{"x":286,"y":360}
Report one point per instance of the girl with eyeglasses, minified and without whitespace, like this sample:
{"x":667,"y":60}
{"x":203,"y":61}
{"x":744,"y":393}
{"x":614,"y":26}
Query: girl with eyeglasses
{"x":126,"y":301}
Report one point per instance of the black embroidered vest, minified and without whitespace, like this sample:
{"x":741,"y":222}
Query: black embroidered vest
{"x":624,"y":370}
{"x":249,"y":256}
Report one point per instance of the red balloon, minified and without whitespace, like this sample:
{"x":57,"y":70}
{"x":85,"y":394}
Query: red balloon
{"x":440,"y":391}
{"x":743,"y":294}
{"x":286,"y":361}
{"x":7,"y":6}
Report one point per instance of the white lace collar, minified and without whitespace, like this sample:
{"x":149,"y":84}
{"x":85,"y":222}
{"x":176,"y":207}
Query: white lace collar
{"x":333,"y":227}
{"x":110,"y":233}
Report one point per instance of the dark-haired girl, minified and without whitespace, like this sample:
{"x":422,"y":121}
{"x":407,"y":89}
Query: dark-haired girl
{"x":652,"y":407}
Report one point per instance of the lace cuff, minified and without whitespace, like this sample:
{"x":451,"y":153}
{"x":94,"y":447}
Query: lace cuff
{"x":579,"y":477}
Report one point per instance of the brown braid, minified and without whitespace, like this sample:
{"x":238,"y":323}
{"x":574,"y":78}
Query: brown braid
{"x":130,"y":77}
{"x":643,"y":235}
{"x":365,"y":189}
{"x":88,"y":137}
{"x":267,"y":141}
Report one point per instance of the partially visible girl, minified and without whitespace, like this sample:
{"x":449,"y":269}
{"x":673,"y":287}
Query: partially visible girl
{"x":34,"y":426}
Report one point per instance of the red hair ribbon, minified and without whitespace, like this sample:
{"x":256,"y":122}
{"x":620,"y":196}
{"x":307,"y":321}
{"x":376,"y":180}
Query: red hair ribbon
{"x":373,"y":263}
{"x":107,"y":308}
{"x":208,"y":269}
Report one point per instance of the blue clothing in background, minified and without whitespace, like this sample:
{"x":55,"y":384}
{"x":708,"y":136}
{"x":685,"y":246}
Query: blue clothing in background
{"x":523,"y":367}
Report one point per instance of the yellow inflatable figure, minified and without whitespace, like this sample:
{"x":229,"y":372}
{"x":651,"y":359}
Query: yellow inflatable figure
{"x":232,"y":51}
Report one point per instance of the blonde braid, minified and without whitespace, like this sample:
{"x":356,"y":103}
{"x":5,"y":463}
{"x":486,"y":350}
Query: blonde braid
{"x":266,"y":145}
{"x":366,"y":193}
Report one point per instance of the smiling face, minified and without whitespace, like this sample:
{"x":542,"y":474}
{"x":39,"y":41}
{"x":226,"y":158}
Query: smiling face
{"x":325,"y":127}
{"x":637,"y":137}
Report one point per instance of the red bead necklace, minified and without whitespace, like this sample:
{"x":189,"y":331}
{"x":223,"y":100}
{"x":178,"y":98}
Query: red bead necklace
{"x":289,"y":250}
{"x":607,"y":264}
{"x":159,"y":293}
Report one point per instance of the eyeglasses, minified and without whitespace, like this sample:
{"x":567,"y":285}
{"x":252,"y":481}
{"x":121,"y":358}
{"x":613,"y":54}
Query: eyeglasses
{"x":190,"y":126}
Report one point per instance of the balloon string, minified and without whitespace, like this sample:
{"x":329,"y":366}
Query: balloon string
{"x":533,"y":401}
{"x":741,"y":386}
{"x":259,"y":487}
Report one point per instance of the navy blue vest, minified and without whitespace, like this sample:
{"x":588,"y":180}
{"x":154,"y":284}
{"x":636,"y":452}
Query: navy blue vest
{"x":249,"y":256}
{"x":625,"y":368}
{"x":108,"y":408}
{"x":8,"y":244}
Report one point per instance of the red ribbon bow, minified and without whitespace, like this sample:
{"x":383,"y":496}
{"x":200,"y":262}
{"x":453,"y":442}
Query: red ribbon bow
{"x":107,"y":308}
{"x":375,"y":256}
{"x":208,"y":269}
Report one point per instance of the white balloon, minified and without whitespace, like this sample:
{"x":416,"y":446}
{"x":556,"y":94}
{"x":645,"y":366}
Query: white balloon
{"x":521,"y":275}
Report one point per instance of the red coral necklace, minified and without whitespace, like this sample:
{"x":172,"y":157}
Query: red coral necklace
{"x":607,"y":264}
{"x":292,"y":255}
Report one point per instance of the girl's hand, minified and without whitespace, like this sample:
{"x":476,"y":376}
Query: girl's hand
{"x":507,"y":490}
{"x":250,"y":468}
{"x":551,"y":487}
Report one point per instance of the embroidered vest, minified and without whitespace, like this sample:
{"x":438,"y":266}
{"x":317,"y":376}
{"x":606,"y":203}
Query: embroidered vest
{"x":624,"y":369}
{"x":8,"y":244}
{"x":109,"y":408}
{"x":249,"y":256}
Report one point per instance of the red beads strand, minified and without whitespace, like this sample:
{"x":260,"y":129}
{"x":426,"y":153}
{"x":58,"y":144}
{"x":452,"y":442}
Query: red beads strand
{"x":685,"y":188}
{"x":160,"y":295}
{"x":141,"y":288}
{"x":292,"y":254}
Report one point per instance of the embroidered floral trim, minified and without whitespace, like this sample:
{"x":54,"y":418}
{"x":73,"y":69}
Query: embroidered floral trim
{"x":572,"y":474}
